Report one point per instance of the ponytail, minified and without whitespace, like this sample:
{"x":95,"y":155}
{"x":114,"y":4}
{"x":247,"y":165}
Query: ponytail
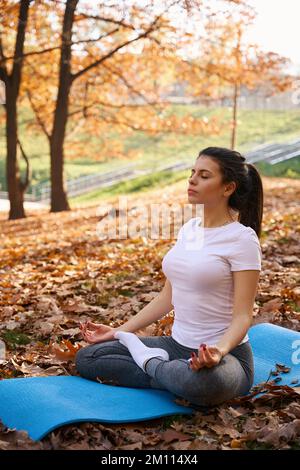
{"x":251,"y":211}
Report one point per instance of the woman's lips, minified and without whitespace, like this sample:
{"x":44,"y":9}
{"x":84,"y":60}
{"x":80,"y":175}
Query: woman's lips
{"x":191,"y":191}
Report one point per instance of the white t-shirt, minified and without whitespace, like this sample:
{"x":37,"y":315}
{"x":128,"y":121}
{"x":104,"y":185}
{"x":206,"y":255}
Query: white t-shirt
{"x":199,"y":267}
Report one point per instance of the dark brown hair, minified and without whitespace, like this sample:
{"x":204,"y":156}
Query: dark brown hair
{"x":247,"y":198}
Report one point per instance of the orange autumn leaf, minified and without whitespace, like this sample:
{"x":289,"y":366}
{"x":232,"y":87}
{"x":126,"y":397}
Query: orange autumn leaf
{"x":64,"y":350}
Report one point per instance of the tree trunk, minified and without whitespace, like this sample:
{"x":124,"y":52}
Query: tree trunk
{"x":59,"y":201}
{"x":14,"y":185}
{"x":12,"y":83}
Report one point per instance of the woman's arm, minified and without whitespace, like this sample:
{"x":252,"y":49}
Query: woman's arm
{"x":245,"y":288}
{"x":156,"y":309}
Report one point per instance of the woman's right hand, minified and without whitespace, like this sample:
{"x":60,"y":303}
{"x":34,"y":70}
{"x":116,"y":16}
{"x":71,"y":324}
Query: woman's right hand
{"x":96,"y":333}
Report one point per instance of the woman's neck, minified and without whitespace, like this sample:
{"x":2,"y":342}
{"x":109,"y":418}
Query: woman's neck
{"x":217,"y":219}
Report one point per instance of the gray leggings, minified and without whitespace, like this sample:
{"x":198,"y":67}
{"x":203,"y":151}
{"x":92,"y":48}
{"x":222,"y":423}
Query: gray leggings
{"x":111,"y":362}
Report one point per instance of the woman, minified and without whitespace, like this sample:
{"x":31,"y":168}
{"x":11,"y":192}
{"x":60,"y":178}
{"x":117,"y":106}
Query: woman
{"x":207,"y":359}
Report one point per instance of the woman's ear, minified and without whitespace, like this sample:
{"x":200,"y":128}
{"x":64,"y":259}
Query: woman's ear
{"x":229,"y":188}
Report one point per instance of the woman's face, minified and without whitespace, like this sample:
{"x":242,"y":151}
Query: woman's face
{"x":206,"y":182}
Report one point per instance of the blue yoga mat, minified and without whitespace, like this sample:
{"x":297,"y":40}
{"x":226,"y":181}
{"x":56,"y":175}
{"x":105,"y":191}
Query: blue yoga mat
{"x":273,"y":344}
{"x":40,"y":404}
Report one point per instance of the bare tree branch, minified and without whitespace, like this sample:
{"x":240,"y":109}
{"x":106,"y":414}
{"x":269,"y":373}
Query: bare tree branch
{"x":129,"y":86}
{"x":113,"y":51}
{"x":102,"y":36}
{"x":139,"y":129}
{"x":116,"y":106}
{"x":24,"y":184}
{"x":85,"y":16}
{"x":28,"y":54}
{"x":38,"y":117}
{"x":50,"y":49}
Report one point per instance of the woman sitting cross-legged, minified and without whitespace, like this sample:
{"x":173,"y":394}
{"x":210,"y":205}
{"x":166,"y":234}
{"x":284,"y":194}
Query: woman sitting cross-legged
{"x":212,"y":274}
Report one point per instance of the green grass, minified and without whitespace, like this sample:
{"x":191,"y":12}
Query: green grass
{"x":255,"y":127}
{"x":15,"y":338}
{"x":287,"y":169}
{"x":140,"y":184}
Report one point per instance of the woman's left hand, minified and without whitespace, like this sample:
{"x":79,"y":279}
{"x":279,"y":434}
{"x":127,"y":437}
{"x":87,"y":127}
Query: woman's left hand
{"x":208,"y":356}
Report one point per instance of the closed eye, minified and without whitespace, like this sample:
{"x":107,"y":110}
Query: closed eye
{"x":204,"y":177}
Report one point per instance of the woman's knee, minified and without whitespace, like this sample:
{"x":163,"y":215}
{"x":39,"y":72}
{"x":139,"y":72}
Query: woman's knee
{"x":213,"y":386}
{"x":86,"y":355}
{"x":89,"y":356}
{"x":81,"y":358}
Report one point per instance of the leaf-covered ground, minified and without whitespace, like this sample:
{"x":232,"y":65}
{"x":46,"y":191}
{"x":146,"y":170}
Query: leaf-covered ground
{"x":55,"y":272}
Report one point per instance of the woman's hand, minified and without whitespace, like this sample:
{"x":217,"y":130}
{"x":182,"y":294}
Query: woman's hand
{"x":96,"y":333}
{"x":208,"y":356}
